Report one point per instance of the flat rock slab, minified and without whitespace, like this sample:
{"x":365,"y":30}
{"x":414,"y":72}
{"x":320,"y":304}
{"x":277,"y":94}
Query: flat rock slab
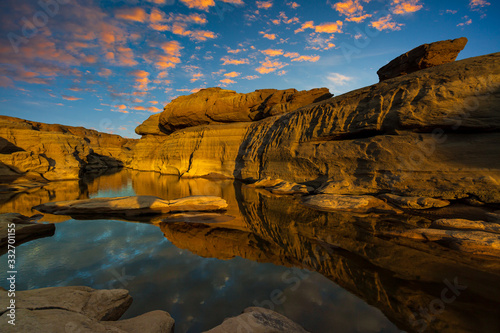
{"x":133,"y":206}
{"x":25,"y":229}
{"x":278,"y":186}
{"x":475,"y":242}
{"x":423,"y":56}
{"x":463,"y":224}
{"x":79,"y":309}
{"x":350,"y":203}
{"x":258,"y":320}
{"x":414,"y":202}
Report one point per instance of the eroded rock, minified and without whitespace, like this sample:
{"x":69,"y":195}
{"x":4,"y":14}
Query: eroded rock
{"x":350,"y":203}
{"x":463,"y":224}
{"x":279,"y":186}
{"x":423,"y":56}
{"x":414,"y":202}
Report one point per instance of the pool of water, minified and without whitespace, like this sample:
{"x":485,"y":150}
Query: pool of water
{"x":328,"y":272}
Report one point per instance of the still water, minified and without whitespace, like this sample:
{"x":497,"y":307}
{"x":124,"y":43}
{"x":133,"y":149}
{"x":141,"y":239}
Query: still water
{"x":329,"y":272}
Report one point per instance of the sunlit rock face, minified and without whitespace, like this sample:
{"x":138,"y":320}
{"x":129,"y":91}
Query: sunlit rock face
{"x":54,"y":152}
{"x":432,"y":133}
{"x":405,"y":279}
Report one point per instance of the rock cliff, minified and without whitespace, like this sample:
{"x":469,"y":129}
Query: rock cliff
{"x":432,"y":133}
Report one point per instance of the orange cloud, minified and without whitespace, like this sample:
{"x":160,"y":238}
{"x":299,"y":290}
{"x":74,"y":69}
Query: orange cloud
{"x":196,"y":77}
{"x":71,"y":98}
{"x":199,"y":4}
{"x":292,"y":55}
{"x":154,"y":109}
{"x":386,"y":23}
{"x":230,"y":61}
{"x":400,"y":7}
{"x":264,"y":4}
{"x":251,"y":77}
{"x":232,"y":74}
{"x":269,"y":66}
{"x":121,"y":107}
{"x":136,"y":14}
{"x":268,"y":36}
{"x":306,"y":25}
{"x":352,"y":9}
{"x":307,"y":58}
{"x":154,"y":102}
{"x":293,"y":5}
{"x":227,"y":81}
{"x":105,"y":72}
{"x":272,"y":53}
{"x":139,"y":108}
{"x":331,"y":27}
{"x":476,"y":4}
{"x":141,"y":79}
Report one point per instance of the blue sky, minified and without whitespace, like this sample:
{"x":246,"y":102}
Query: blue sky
{"x":109,"y":65}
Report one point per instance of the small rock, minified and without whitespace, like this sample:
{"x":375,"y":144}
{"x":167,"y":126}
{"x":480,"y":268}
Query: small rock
{"x":414,"y":202}
{"x":258,"y":320}
{"x":351,"y":203}
{"x":423,"y":56}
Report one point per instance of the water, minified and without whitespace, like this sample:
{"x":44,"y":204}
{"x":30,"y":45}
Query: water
{"x":328,"y":272}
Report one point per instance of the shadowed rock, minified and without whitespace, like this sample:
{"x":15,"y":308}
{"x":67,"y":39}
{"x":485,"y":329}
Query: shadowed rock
{"x":423,"y":56}
{"x":414,"y":202}
{"x":360,"y":204}
{"x":133,"y":206}
{"x":463,"y":224}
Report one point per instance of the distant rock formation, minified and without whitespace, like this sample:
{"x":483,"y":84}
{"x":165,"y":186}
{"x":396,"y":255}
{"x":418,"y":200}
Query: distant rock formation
{"x":422,"y":57}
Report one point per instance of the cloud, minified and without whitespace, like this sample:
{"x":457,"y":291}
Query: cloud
{"x":328,"y":27}
{"x":206,"y":4}
{"x":251,"y":77}
{"x":272,"y":53}
{"x":400,"y":7}
{"x":468,"y":21}
{"x":281,"y":73}
{"x":477,"y":4}
{"x":6,"y":82}
{"x":269,"y":66}
{"x":386,"y":23}
{"x":292,"y":54}
{"x":105,"y":72}
{"x":268,"y":36}
{"x":231,"y":61}
{"x":121,"y":107}
{"x":227,"y":81}
{"x":179,"y":24}
{"x":264,"y":4}
{"x":338,"y":79}
{"x":232,"y":74}
{"x":352,"y":9}
{"x":294,"y":5}
{"x":307,"y":58}
{"x":136,"y":14}
{"x":139,"y":108}
{"x":153,"y":109}
{"x":71,"y":98}
{"x":141,"y":79}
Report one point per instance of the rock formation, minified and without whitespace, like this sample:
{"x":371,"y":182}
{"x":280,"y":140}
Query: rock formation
{"x":44,"y":152}
{"x":422,"y":57}
{"x":432,"y":133}
{"x":79,"y":309}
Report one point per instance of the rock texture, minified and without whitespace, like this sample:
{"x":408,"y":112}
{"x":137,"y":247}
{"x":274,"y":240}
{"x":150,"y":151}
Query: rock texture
{"x":422,"y":57}
{"x":433,"y":133}
{"x":216,"y":105}
{"x":349,"y":203}
{"x":414,"y":202}
{"x":79,"y":309}
{"x":26,"y":229}
{"x":463,"y":224}
{"x":133,"y":206}
{"x":55,"y":152}
{"x":150,"y":126}
{"x":258,"y":320}
{"x":278,"y":186}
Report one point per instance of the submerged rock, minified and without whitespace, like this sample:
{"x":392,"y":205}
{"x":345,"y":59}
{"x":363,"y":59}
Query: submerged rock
{"x":79,"y":309}
{"x":258,"y":320}
{"x":350,"y":203}
{"x":26,"y":229}
{"x":133,"y":206}
{"x":414,"y":202}
{"x":423,"y":56}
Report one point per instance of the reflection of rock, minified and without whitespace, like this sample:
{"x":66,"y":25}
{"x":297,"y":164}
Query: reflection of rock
{"x":133,"y":206}
{"x":414,"y":202}
{"x":25,"y":229}
{"x":278,"y":186}
{"x":422,"y":57}
{"x":349,"y":203}
{"x":78,"y":309}
{"x":258,"y":320}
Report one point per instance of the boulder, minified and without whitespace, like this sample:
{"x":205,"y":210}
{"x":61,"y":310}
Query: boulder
{"x":414,"y":202}
{"x":349,"y":203}
{"x":258,"y":320}
{"x":422,"y":57}
{"x":150,"y":126}
{"x":79,"y":309}
{"x":216,"y":105}
{"x":26,"y":229}
{"x":133,"y":206}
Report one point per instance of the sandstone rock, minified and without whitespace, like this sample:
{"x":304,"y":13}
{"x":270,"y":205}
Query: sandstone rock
{"x":475,"y":242}
{"x":216,"y":105}
{"x":278,"y":186}
{"x":423,"y":56}
{"x":258,"y":320}
{"x":409,"y":135}
{"x":133,"y":206}
{"x":150,"y":126}
{"x":414,"y":202}
{"x":79,"y":309}
{"x":463,"y":224}
{"x":26,"y":229}
{"x":360,"y":204}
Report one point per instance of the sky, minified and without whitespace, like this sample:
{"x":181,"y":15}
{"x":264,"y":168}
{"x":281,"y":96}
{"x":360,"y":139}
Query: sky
{"x":109,"y":65}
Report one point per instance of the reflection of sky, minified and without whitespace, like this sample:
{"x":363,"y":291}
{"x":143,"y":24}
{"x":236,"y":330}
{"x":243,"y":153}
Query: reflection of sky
{"x":198,"y":292}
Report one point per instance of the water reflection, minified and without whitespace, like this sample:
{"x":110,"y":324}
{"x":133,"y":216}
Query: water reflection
{"x":327,"y":271}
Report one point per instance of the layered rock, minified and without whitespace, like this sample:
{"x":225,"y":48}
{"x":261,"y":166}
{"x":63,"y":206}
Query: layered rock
{"x":422,"y":57}
{"x":216,"y":105}
{"x":79,"y":309}
{"x":55,"y":152}
{"x":432,"y":133}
